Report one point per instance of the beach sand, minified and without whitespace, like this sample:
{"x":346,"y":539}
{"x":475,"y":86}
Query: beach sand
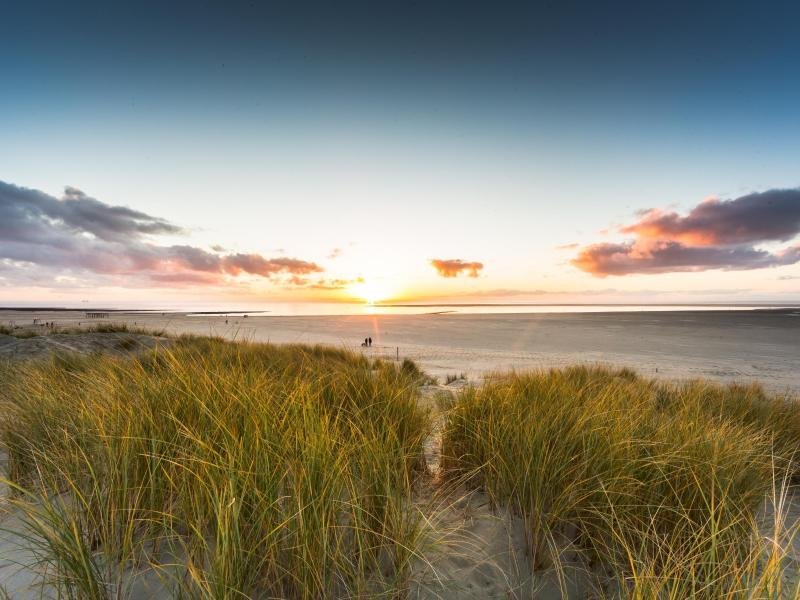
{"x":721,"y":345}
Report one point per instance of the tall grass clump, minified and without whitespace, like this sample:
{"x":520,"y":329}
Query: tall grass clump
{"x":232,"y":470}
{"x":110,"y":327}
{"x":660,"y":483}
{"x":19,"y":332}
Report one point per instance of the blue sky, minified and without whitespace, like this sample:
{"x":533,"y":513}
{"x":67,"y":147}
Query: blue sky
{"x":386,"y":135}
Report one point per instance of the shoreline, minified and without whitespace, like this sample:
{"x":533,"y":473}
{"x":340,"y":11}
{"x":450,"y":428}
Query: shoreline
{"x":666,"y":308}
{"x":725,"y":346}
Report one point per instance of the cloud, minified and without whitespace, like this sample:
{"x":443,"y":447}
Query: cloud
{"x":455,"y":266}
{"x":323,"y":284}
{"x":664,"y":257}
{"x":335,"y":253}
{"x":256,"y":264}
{"x":773,"y":215}
{"x":335,"y":284}
{"x":716,"y":234}
{"x":185,"y":278}
{"x":77,"y":232}
{"x":29,"y":212}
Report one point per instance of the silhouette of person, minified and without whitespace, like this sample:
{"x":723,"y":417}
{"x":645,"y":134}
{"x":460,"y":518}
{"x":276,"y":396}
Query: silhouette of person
{"x":370,"y":341}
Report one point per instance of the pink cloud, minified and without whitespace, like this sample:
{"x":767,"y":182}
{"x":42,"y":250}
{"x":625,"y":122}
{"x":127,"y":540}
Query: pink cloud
{"x":716,"y":234}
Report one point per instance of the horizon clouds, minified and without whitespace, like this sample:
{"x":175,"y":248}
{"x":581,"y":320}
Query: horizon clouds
{"x":77,"y":232}
{"x":44,"y":238}
{"x":715,"y":234}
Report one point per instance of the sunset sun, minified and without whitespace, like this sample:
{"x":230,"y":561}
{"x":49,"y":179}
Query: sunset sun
{"x":370,"y":291}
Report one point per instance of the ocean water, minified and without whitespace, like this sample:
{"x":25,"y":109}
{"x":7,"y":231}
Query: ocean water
{"x":354,"y":308}
{"x":329,"y":309}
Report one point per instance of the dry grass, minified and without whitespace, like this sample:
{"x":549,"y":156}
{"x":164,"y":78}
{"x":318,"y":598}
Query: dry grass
{"x":257,"y":471}
{"x":234,"y":470}
{"x":30,"y":331}
{"x":660,"y":483}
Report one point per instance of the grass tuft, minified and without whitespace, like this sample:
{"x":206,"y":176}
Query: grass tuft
{"x":237,"y":470}
{"x":661,"y":483}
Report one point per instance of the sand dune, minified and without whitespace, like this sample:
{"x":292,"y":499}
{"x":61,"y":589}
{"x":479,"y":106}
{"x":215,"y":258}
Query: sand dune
{"x":477,"y":552}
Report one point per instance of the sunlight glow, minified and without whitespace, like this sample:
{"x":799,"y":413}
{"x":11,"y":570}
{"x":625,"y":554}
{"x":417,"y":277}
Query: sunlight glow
{"x":370,"y":291}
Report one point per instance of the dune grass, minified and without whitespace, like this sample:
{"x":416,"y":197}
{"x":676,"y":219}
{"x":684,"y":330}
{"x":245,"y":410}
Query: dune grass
{"x":107,"y":327}
{"x":18,"y":332}
{"x":660,"y":483}
{"x":236,"y":470}
{"x":232,"y":470}
{"x":29,"y":331}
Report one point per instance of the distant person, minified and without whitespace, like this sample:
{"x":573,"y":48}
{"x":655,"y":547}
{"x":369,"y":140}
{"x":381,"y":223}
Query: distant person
{"x":370,"y":341}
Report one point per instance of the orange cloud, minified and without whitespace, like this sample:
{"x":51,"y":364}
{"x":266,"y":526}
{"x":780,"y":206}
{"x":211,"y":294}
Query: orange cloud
{"x":454,"y":267}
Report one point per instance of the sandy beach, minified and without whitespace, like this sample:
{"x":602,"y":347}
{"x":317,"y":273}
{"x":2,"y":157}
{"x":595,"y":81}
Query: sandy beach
{"x":722,"y":345}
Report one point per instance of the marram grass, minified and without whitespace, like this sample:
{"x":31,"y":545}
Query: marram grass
{"x":233,"y":470}
{"x":661,"y":484}
{"x":255,"y":471}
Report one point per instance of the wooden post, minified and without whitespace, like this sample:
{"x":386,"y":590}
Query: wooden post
{"x":398,"y":353}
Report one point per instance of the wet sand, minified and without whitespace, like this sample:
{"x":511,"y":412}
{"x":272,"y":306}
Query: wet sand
{"x":724,"y":345}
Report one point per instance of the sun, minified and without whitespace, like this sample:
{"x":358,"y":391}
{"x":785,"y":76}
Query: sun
{"x":370,"y":291}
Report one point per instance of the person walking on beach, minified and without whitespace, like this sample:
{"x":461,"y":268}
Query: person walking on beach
{"x":369,"y":339}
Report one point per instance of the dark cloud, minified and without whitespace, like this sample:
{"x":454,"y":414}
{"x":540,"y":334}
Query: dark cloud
{"x":80,"y":233}
{"x":454,"y":267}
{"x":716,"y":234}
{"x":255,"y":264}
{"x":185,"y":278}
{"x":192,"y":258}
{"x":664,"y":257}
{"x":27,"y":211}
{"x":773,"y":215}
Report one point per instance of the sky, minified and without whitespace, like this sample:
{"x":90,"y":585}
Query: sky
{"x":167,"y":153}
